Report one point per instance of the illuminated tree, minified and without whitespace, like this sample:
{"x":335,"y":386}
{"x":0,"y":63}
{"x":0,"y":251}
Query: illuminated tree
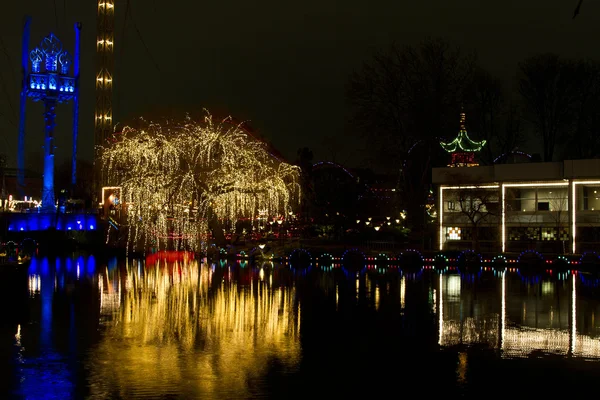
{"x":180,"y":179}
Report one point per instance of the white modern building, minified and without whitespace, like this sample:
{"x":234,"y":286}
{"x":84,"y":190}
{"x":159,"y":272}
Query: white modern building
{"x":550,"y":207}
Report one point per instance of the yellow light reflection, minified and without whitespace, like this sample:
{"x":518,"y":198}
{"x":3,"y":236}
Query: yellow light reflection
{"x":173,"y":319}
{"x":402,"y":292}
{"x":461,"y":369}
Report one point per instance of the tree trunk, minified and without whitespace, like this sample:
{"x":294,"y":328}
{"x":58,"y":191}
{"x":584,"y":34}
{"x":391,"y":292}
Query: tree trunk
{"x":216,"y":228}
{"x":476,"y":245}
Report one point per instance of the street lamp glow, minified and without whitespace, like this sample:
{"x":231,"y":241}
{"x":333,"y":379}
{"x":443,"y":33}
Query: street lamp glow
{"x":377,"y":228}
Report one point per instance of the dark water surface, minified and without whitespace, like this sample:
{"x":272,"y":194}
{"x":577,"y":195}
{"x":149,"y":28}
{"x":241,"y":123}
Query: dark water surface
{"x":81,"y":328}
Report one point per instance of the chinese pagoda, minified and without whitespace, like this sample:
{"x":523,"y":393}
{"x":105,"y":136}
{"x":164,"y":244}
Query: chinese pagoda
{"x":462,"y":148}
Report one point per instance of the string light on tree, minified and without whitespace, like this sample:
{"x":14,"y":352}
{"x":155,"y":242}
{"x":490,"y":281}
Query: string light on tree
{"x":178,"y":178}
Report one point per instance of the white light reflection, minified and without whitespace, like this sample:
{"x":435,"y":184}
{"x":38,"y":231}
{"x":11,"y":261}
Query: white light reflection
{"x":337,"y":296}
{"x":503,"y":311}
{"x":453,"y":287}
{"x":516,"y":340}
{"x":573,"y":316}
{"x":35,"y":284}
{"x":441,"y":312}
{"x":402,"y":292}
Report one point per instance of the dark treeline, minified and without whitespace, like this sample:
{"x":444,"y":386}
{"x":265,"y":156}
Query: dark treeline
{"x":407,"y":99}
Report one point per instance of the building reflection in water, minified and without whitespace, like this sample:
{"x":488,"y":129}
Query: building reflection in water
{"x":189,"y":326}
{"x":519,"y":317}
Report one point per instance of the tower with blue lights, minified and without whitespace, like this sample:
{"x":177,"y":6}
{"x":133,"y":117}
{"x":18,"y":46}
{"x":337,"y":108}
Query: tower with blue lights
{"x":47,"y":78}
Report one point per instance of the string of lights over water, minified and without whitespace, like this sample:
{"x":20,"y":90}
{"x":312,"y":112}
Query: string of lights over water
{"x":188,"y":328}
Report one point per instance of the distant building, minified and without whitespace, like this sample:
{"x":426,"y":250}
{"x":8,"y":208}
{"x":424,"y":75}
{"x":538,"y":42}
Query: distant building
{"x":551,"y":207}
{"x":33,"y":183}
{"x":382,"y":197}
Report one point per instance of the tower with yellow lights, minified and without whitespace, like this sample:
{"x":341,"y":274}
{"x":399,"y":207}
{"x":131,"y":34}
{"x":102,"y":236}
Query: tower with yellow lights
{"x":103,"y":116}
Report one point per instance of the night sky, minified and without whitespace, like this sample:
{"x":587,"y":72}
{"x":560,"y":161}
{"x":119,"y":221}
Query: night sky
{"x":281,"y":65}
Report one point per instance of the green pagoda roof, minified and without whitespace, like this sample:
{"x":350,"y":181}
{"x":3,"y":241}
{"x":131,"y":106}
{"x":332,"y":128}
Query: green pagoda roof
{"x":462,"y":142}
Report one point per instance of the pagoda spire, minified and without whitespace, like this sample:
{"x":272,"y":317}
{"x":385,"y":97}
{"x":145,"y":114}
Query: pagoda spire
{"x":462,"y":148}
{"x":463,"y":118}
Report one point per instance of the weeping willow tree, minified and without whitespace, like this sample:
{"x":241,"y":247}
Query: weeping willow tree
{"x":180,"y":180}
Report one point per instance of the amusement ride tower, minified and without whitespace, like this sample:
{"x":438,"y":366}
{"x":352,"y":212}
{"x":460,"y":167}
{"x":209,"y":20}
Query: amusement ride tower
{"x":49,"y":81}
{"x":103,"y":116}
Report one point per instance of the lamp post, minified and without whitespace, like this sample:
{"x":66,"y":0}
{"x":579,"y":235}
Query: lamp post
{"x":279,"y":222}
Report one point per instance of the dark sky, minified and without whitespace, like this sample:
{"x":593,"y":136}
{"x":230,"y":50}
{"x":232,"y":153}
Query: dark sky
{"x":280,"y":65}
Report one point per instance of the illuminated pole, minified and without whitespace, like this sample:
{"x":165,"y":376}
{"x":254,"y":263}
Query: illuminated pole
{"x":104,"y":76}
{"x":24,"y":89}
{"x":48,"y":188}
{"x":77,"y":51}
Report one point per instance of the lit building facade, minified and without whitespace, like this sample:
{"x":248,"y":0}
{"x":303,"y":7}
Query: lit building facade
{"x":551,"y":207}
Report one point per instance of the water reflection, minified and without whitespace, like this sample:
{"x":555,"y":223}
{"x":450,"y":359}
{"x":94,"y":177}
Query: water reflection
{"x":528,"y":317}
{"x":192,"y":327}
{"x":182,"y":327}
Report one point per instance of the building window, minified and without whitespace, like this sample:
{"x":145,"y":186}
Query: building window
{"x":543,"y":206}
{"x":454,"y":233}
{"x":548,"y":234}
{"x":451,"y":205}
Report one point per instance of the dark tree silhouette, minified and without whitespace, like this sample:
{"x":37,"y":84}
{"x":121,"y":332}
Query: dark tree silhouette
{"x":405,"y":100}
{"x":582,"y":139}
{"x":576,"y":12}
{"x":548,"y":91}
{"x":479,"y":206}
{"x":493,"y":117}
{"x":305,"y":161}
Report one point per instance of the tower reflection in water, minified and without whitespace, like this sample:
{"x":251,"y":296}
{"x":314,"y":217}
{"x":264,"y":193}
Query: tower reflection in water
{"x":194,"y":327}
{"x":520,"y":317}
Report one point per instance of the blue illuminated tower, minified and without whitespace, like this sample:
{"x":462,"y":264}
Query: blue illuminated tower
{"x":48,"y":81}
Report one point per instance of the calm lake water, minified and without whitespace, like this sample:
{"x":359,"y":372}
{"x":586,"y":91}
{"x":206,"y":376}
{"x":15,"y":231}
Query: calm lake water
{"x":78,"y":327}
